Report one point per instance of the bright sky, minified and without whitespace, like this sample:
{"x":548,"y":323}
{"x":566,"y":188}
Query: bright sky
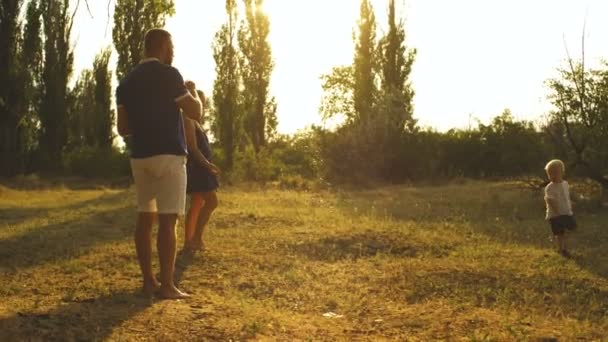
{"x":475,"y":57}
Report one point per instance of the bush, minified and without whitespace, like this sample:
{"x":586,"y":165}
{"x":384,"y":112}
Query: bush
{"x":96,"y":163}
{"x":505,"y":148}
{"x":283,"y":157}
{"x":252,"y":167}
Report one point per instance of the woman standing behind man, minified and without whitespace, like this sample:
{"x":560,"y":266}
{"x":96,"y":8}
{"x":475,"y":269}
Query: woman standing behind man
{"x":202,"y":182}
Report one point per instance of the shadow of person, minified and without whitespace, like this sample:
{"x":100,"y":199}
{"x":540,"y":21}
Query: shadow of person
{"x":91,"y":319}
{"x":184,"y":259}
{"x":67,"y":239}
{"x":503,"y":213}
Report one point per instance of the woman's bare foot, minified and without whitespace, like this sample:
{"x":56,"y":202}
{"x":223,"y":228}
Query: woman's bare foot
{"x":194,"y":246}
{"x":171,"y":292}
{"x":198,"y":246}
{"x":190,"y":245}
{"x":151,"y":287}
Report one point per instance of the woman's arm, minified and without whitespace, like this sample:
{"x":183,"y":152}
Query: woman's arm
{"x":189,"y":125}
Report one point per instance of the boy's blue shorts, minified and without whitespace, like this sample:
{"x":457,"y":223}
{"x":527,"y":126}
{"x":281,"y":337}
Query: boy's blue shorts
{"x":559,"y":224}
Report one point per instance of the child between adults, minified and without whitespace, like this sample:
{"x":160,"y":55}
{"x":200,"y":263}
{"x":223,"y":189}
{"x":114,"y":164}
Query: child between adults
{"x":559,"y":205}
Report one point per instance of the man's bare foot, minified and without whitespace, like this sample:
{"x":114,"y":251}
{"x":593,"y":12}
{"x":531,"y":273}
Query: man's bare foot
{"x":171,"y":292}
{"x":150,"y":288}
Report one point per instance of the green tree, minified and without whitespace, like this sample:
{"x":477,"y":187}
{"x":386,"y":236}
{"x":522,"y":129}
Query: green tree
{"x":104,"y":114}
{"x":13,"y":84}
{"x":226,"y":125}
{"x":57,"y":69}
{"x":338,"y":94}
{"x":580,"y":100}
{"x":9,"y":117}
{"x":91,"y":115}
{"x":351,"y":91}
{"x":81,"y":119}
{"x":396,"y":89}
{"x":30,"y":75}
{"x":365,"y":65}
{"x":132,"y":19}
{"x":256,"y":64}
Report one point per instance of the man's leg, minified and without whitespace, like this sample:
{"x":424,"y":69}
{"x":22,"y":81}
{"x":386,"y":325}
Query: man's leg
{"x":210,"y":204}
{"x":143,"y":246}
{"x":167,"y":246}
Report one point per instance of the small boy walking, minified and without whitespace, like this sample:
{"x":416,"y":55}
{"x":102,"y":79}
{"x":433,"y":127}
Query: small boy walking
{"x":559,"y":205}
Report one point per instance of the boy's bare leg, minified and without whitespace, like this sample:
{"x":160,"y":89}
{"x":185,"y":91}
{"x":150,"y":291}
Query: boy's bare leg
{"x":210,"y":204}
{"x":143,"y":246}
{"x":558,"y":243}
{"x":167,"y":246}
{"x":561,"y":244}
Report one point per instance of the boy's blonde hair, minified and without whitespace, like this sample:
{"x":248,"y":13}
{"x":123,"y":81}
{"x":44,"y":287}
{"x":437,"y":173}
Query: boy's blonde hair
{"x":556,"y":163}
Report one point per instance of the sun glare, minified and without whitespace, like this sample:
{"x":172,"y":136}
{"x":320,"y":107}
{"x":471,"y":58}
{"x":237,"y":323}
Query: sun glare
{"x":476,"y":62}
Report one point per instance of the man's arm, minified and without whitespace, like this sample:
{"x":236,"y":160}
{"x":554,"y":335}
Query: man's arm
{"x":185,"y":98}
{"x":191,"y":106}
{"x":122,"y":122}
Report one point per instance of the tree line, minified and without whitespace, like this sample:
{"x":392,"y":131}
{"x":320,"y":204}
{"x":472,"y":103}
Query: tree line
{"x":46,"y":123}
{"x":380,"y":140}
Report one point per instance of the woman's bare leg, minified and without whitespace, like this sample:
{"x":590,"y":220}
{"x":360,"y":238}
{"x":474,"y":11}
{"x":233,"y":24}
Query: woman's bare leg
{"x":196,"y":203}
{"x":210,"y":204}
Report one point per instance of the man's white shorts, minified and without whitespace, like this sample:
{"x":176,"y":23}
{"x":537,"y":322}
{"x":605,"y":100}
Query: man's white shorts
{"x":160,"y":182}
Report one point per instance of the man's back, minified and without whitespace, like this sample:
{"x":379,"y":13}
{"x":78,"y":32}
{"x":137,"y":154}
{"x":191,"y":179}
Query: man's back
{"x":148,"y":94}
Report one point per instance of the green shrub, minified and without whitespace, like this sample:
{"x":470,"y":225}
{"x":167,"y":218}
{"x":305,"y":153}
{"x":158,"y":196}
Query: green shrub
{"x":96,"y":163}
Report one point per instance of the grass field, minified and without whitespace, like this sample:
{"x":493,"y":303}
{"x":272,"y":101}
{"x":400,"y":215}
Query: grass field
{"x":470,"y":261}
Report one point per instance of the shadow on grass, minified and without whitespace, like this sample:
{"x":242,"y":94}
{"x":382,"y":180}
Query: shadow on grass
{"x":88,"y":320}
{"x":182,"y":262}
{"x":71,"y":239}
{"x":556,"y":295}
{"x":502,"y":213}
{"x":17,"y":215}
{"x":365,"y":245}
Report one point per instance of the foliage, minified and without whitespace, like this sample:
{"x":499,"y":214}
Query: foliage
{"x":580,"y":100}
{"x":132,"y":19}
{"x":57,"y":69}
{"x":338,"y":94}
{"x":20,"y":58}
{"x":396,"y":63}
{"x":82,"y":111}
{"x":227,"y":113}
{"x":91,"y":114}
{"x":105,"y":115}
{"x":256,"y":65}
{"x":375,"y":97}
{"x":283,"y":158}
{"x":365,"y":65}
{"x":505,"y":148}
{"x":94,"y":162}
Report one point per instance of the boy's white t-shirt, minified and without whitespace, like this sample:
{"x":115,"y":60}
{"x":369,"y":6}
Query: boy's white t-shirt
{"x":560,"y":193}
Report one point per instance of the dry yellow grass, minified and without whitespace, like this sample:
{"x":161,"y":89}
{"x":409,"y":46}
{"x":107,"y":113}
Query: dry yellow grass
{"x":458,"y":262}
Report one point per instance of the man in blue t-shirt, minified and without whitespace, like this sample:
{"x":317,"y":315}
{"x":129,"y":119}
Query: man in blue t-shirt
{"x":151,"y":99}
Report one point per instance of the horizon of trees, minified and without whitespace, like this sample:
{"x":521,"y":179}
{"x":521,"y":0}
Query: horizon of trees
{"x":48,"y":123}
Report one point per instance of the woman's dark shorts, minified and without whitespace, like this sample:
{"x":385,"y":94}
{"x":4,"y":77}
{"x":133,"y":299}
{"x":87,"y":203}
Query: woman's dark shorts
{"x":560,"y":224}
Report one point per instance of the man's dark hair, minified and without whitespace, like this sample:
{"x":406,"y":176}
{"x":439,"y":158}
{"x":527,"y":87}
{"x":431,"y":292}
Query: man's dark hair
{"x":155,"y":38}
